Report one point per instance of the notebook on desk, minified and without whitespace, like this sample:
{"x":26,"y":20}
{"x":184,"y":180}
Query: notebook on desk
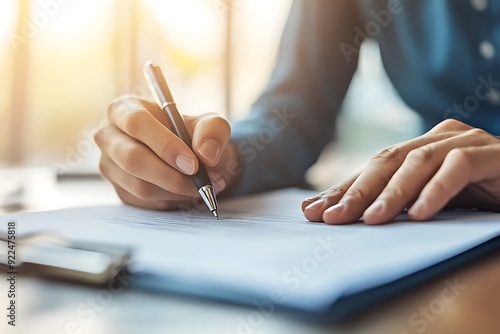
{"x":263,"y":251}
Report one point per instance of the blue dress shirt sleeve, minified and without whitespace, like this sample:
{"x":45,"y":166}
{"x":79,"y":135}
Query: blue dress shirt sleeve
{"x":294,"y":119}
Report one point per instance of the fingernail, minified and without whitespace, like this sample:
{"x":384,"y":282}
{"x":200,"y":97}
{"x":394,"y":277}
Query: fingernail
{"x":318,"y":205}
{"x":311,"y":199}
{"x":210,"y":150}
{"x":375,"y":208}
{"x":185,"y":164}
{"x":218,"y":182}
{"x":336,"y":209}
{"x":417,"y":208}
{"x":219,"y":185}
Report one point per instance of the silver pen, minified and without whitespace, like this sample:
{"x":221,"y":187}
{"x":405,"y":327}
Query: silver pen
{"x":165,"y":100}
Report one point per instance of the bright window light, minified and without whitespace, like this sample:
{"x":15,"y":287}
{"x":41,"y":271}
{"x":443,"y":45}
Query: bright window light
{"x":6,"y":10}
{"x":191,"y":24}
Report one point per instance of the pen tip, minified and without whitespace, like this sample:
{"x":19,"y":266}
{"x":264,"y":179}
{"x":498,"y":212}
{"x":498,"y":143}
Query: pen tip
{"x":216,"y":214}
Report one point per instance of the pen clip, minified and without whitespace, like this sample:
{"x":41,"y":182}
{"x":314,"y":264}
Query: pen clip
{"x":156,"y":81}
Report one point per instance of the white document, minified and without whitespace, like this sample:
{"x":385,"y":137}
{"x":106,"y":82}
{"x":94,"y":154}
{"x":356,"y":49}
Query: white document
{"x":264,"y":247}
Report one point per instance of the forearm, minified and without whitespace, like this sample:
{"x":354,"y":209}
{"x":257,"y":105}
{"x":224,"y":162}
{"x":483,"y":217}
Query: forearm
{"x":295,"y":117}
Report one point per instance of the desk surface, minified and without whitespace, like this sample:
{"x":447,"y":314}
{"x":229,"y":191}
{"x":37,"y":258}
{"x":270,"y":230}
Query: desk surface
{"x":49,"y":307}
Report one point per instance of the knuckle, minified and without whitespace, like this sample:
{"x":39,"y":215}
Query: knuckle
{"x":141,"y":189}
{"x":480,"y":137}
{"x":356,"y":193}
{"x":99,"y":137}
{"x":439,"y":188}
{"x":134,"y":120}
{"x":336,"y":190}
{"x":449,"y":124}
{"x":459,"y":156}
{"x":390,"y":153}
{"x":132,"y":157}
{"x":420,"y":156}
{"x":476,"y":132}
{"x":396,"y":192}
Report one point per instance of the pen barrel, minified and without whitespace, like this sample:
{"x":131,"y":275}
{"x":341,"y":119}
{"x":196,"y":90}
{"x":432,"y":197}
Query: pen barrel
{"x":179,"y":128}
{"x":201,"y":178}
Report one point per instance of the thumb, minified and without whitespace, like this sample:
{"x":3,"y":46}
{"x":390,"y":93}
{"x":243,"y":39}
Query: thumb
{"x":210,"y":137}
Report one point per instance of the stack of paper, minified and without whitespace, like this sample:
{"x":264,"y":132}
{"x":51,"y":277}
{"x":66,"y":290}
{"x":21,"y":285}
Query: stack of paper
{"x":263,"y":251}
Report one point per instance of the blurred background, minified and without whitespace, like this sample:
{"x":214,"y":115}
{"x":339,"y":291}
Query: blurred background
{"x":63,"y":61}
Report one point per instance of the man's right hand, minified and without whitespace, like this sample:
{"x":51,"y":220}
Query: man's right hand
{"x":149,"y":166}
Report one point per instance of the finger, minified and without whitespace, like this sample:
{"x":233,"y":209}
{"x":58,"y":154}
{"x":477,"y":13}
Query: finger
{"x":157,"y":112}
{"x":308,"y":201}
{"x":415,"y":172}
{"x":461,"y":167}
{"x":340,"y":188}
{"x":139,"y":188}
{"x":138,"y":160}
{"x":373,"y":180}
{"x":313,"y":207}
{"x":131,"y":116}
{"x":450,"y":125}
{"x":208,"y":127}
{"x":210,"y":136}
{"x":133,"y":102}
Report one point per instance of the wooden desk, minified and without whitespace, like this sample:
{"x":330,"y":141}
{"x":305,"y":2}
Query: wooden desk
{"x":54,"y":308}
